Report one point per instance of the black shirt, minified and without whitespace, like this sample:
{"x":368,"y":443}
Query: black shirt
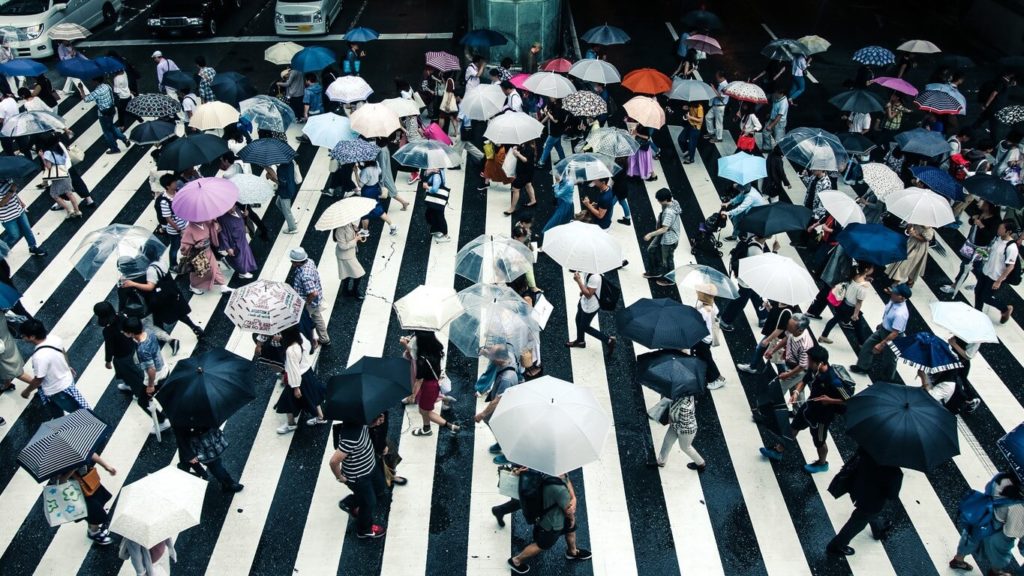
{"x":778,"y":317}
{"x":557,"y":128}
{"x":115,"y":343}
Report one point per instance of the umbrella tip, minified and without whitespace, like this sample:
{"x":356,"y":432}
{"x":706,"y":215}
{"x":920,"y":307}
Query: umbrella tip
{"x":199,"y":369}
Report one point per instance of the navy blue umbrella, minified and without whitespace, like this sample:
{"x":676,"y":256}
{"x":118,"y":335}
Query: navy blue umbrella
{"x":873,"y":243}
{"x":12,"y":167}
{"x":267,"y":152}
{"x":179,"y":80}
{"x":940,"y":181}
{"x":775,"y":219}
{"x":925,"y":351}
{"x":361,"y":34}
{"x":483,"y":38}
{"x":313,"y":59}
{"x":81,"y":68}
{"x":996,"y":190}
{"x":874,"y":56}
{"x":1012,"y":446}
{"x":661,"y":323}
{"x":671,"y":374}
{"x":22,"y":67}
{"x":205,"y":390}
{"x":857,"y":101}
{"x":109,"y":65}
{"x":232,"y":88}
{"x":152,"y":132}
{"x":8,"y":296}
{"x":605,"y":35}
{"x":923,"y":142}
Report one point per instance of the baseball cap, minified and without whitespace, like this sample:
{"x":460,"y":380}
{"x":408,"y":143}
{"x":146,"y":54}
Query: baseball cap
{"x":157,"y":54}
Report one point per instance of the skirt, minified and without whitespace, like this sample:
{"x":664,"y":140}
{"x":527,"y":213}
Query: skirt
{"x":312,"y":396}
{"x":641,"y":164}
{"x":60,"y":186}
{"x":430,"y":390}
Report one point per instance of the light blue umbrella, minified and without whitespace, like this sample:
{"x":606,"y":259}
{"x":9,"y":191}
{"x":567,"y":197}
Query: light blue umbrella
{"x":361,"y":34}
{"x":605,"y":35}
{"x":328,"y":129}
{"x":874,"y":56}
{"x":313,"y":59}
{"x":952,"y":91}
{"x":742,"y":168}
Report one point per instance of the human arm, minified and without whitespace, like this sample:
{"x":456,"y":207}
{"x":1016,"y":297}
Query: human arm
{"x":585,"y":290}
{"x":892,"y":335}
{"x":595,"y":210}
{"x":488,"y":410}
{"x":336,"y":459}
{"x":99,"y":461}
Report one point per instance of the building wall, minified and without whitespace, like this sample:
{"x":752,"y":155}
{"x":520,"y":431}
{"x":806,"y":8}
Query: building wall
{"x":523,"y":22}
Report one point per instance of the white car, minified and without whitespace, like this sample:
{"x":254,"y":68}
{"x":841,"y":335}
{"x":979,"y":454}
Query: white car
{"x":24,"y":23}
{"x":305,"y":16}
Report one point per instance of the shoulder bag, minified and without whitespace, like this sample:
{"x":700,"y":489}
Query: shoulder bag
{"x":90,"y":481}
{"x":969,"y":250}
{"x":838,"y":293}
{"x":508,"y":483}
{"x":209,"y":445}
{"x":64,"y":502}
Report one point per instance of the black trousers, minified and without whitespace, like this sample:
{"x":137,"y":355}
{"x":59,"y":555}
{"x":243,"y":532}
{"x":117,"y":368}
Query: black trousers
{"x":859,"y":520}
{"x":366,"y":490}
{"x":583,"y":325}
{"x":507,"y":508}
{"x":984,"y":293}
{"x":735,"y":307}
{"x":436,"y":219}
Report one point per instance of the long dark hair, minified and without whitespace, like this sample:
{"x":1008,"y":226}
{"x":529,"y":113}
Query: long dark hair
{"x":291,"y":335}
{"x":427,"y":344}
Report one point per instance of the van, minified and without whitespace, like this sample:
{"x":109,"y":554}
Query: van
{"x":25,"y":23}
{"x":293,"y":17}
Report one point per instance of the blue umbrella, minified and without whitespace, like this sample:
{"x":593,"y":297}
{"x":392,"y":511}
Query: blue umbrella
{"x":742,"y":168}
{"x":8,"y":296}
{"x":925,"y":351}
{"x":483,"y":38}
{"x":605,"y":35}
{"x":12,"y":167}
{"x":923,"y":142}
{"x":79,"y":67}
{"x":109,"y":65}
{"x":22,"y":67}
{"x":313,"y":59}
{"x":874,"y":56}
{"x":873,"y":243}
{"x":938,"y":180}
{"x":232,"y":88}
{"x":1012,"y":446}
{"x":267,"y":152}
{"x":361,"y":34}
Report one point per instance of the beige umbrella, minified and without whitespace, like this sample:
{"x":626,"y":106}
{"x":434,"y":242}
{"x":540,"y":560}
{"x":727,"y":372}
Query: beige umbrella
{"x":375,"y":121}
{"x":844,"y":209}
{"x":428,"y":308}
{"x":68,"y":31}
{"x":281,"y":53}
{"x":513,"y":128}
{"x":646,"y":111}
{"x":918,"y":47}
{"x":402,"y":106}
{"x":881,"y":179}
{"x":920,"y":206}
{"x":213,"y":115}
{"x":159,"y":506}
{"x":344,"y":212}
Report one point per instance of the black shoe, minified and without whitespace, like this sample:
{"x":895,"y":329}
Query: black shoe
{"x":175,"y":346}
{"x":520,"y":569}
{"x":198,"y":332}
{"x":611,"y":347}
{"x":884,"y":532}
{"x":348,"y":509}
{"x":37,"y":252}
{"x":498,"y":516}
{"x":857,"y":369}
{"x":581,"y":554}
{"x":625,"y":221}
{"x":815,"y":316}
{"x":836,"y":551}
{"x":694,"y":466}
{"x":232,"y":488}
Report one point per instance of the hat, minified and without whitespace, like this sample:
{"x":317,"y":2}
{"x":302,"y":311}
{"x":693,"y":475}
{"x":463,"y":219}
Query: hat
{"x":902,"y":290}
{"x":157,"y":54}
{"x":298,"y":254}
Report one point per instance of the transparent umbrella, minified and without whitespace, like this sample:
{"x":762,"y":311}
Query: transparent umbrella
{"x":700,"y":278}
{"x":134,"y":246}
{"x":494,"y":318}
{"x":267,"y":112}
{"x":493,"y":258}
{"x":815,"y":149}
{"x":614,"y":142}
{"x":587,"y":167}
{"x":427,"y":154}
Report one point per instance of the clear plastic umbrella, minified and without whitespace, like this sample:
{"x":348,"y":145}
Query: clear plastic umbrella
{"x":267,"y":112}
{"x":483,"y":102}
{"x":252,"y":189}
{"x":587,"y":167}
{"x":614,"y":142}
{"x":701,"y":278}
{"x":814,"y":149}
{"x":493,"y":317}
{"x":134,"y":247}
{"x":493,"y":259}
{"x":427,"y":154}
{"x":32,"y":122}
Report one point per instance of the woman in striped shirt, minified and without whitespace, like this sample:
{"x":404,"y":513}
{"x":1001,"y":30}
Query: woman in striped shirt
{"x":15,"y":219}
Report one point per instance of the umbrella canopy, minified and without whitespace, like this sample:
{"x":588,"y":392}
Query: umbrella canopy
{"x":159,"y":506}
{"x":68,"y":31}
{"x":672,"y":374}
{"x":560,"y":65}
{"x":939,"y":180}
{"x":898,"y":84}
{"x":584,"y":104}
{"x":191,"y":151}
{"x":267,"y":152}
{"x":1011,"y":114}
{"x":952,"y":91}
{"x":281,"y":53}
{"x":814,"y":44}
{"x":361,"y":34}
{"x":661,"y":323}
{"x":647,"y":81}
{"x":152,"y":132}
{"x":856,"y":144}
{"x":537,"y":415}
{"x":344,"y":212}
{"x":213,"y":116}
{"x":349,"y":89}
{"x":583,"y":247}
{"x":742,"y":168}
{"x":367,"y":388}
{"x":513,"y":128}
{"x":16,"y":167}
{"x":134,"y":247}
{"x":612,"y":142}
{"x":1012,"y":447}
{"x":701,"y":278}
{"x":746,"y":92}
{"x":483,"y":38}
{"x":938,"y":102}
{"x":483,"y":102}
{"x":63,"y":444}
{"x":232,"y":87}
{"x":702,"y":20}
{"x":549,"y":84}
{"x":206,"y":389}
{"x":881,"y":179}
{"x":22,"y":67}
{"x":492,"y":322}
{"x":252,"y":189}
{"x":205,"y":199}
{"x":646,"y":111}
{"x":32,"y":122}
{"x":873,"y":243}
{"x":442,"y":61}
{"x":857,"y":101}
{"x":428,"y":308}
{"x":268,"y":112}
{"x":427,"y":154}
{"x":352,"y":151}
{"x":764,"y":221}
{"x":493,"y":258}
{"x":265,"y":307}
{"x":902,"y":426}
{"x":179,"y":80}
{"x":587,"y":167}
{"x":402,"y":106}
{"x":874,"y":56}
{"x":594,"y":70}
{"x":82,"y":68}
{"x":923,"y":142}
{"x":783,"y":49}
{"x":375,"y":121}
{"x":691,"y":90}
{"x":326,"y":130}
{"x":954,"y":61}
{"x":154,"y":106}
{"x":925,"y":351}
{"x":920,"y":206}
{"x":519,"y":81}
{"x":778,"y":278}
{"x":815,"y":149}
{"x":996,"y":190}
{"x":605,"y":35}
{"x":844,"y":209}
{"x":964,"y":321}
{"x":918,"y":47}
{"x":704,"y":43}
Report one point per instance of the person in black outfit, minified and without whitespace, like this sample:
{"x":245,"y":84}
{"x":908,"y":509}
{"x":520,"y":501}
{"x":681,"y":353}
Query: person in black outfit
{"x":119,"y":350}
{"x":188,"y":459}
{"x":993,"y":101}
{"x":871,"y":487}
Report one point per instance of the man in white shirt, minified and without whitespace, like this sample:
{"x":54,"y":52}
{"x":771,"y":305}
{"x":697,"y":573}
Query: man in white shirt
{"x":53,"y":377}
{"x":163,"y":66}
{"x":8,"y":109}
{"x":588,"y":307}
{"x":799,"y":68}
{"x":776,"y":127}
{"x":859,"y":122}
{"x":716,"y":115}
{"x":1002,"y":259}
{"x":513,"y":101}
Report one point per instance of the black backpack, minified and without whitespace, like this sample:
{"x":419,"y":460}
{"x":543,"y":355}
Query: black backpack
{"x":531,"y":494}
{"x":157,"y":207}
{"x":1014,"y":277}
{"x":739,"y":252}
{"x":609,"y":295}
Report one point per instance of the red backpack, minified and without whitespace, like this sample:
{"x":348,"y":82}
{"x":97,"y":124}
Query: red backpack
{"x":958,"y":167}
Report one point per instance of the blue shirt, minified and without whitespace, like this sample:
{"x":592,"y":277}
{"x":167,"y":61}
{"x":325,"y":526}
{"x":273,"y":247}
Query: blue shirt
{"x":103,"y":96}
{"x":313,"y":97}
{"x":683,"y":47}
{"x":780,"y":106}
{"x":895,"y":317}
{"x":307,"y":280}
{"x":286,"y":185}
{"x":148,"y":353}
{"x":744,"y":202}
{"x":606,"y":201}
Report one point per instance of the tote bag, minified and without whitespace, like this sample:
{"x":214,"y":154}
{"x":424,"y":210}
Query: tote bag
{"x":64,"y":502}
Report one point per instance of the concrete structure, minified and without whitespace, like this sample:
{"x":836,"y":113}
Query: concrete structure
{"x":523,"y":22}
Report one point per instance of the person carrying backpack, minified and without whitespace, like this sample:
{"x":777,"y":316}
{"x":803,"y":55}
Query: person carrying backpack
{"x":591,"y":302}
{"x":1000,"y":266}
{"x":752,"y":246}
{"x":549,"y":503}
{"x":162,"y":299}
{"x":989,"y":522}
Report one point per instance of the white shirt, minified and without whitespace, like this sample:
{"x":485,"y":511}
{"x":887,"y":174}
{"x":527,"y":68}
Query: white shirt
{"x":1001,"y":253}
{"x":708,"y":312}
{"x":799,"y":65}
{"x":514,"y":102}
{"x":590,"y":304}
{"x":296,"y":362}
{"x":189,"y":104}
{"x":121,"y":89}
{"x":36,"y":105}
{"x":51,"y":366}
{"x":8,"y":108}
{"x":860,"y":121}
{"x":472,"y":77}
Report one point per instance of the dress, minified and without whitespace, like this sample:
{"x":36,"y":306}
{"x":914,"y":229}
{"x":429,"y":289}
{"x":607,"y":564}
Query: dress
{"x":202,"y":236}
{"x":641,"y":163}
{"x":232,"y":235}
{"x":912,"y":268}
{"x":345,"y":250}
{"x":493,"y":168}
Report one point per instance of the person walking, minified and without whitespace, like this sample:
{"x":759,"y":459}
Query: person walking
{"x":716,"y":110}
{"x":198,"y":242}
{"x":558,"y":503}
{"x":106,"y":107}
{"x":55,"y":160}
{"x":369,"y":175}
{"x":426,"y":387}
{"x":294,"y":91}
{"x":122,"y":97}
{"x":691,"y":131}
{"x":984,"y":221}
{"x":798,"y":71}
{"x":796,"y":344}
{"x":12,"y":364}
{"x":775,"y":325}
{"x":586,"y":310}
{"x":306,"y":281}
{"x":163,"y":66}
{"x":234,"y":243}
{"x":871,"y":487}
{"x":850,"y":295}
{"x":118,"y":349}
{"x":164,"y":300}
{"x":894,"y":323}
{"x":526,"y":156}
{"x":53,"y":375}
{"x":995,"y":549}
{"x":1002,"y":258}
{"x":556,"y":119}
{"x":706,"y":306}
{"x":664,"y":239}
{"x":752,"y":246}
{"x":777,"y":117}
{"x":287,"y":188}
{"x":151,"y":362}
{"x":505,"y":376}
{"x":15,"y":219}
{"x":682,"y":428}
{"x":202,"y":446}
{"x":303,"y":391}
{"x":350,"y":271}
{"x":355,"y":465}
{"x":96,"y":497}
{"x":909,"y":270}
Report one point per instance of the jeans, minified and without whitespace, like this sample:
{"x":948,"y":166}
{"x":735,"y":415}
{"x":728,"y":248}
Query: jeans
{"x":624,"y":202}
{"x":583,"y":325}
{"x":984,"y":293}
{"x":690,"y":137}
{"x":859,"y":519}
{"x":175,"y":246}
{"x":866,"y":355}
{"x":366,"y":490}
{"x":799,"y":84}
{"x":61,"y":403}
{"x":735,"y":307}
{"x":716,"y":121}
{"x":486,"y":380}
{"x":757,"y":357}
{"x":685,"y":444}
{"x":650,"y":140}
{"x":702,"y":350}
{"x":285,"y":206}
{"x":18,"y":228}
{"x":111,"y":133}
{"x":549,"y":143}
{"x":318,"y":321}
{"x":661,"y":258}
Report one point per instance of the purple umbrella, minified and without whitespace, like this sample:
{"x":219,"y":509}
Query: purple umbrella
{"x":205,"y":199}
{"x":897,"y":84}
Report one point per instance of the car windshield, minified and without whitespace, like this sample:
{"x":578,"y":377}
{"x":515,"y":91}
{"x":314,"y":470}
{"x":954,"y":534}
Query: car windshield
{"x":24,"y":7}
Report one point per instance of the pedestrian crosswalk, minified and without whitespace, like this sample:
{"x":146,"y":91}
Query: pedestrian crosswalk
{"x":744,"y":515}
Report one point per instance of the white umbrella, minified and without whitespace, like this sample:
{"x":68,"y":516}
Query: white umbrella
{"x":646,"y":111}
{"x":919,"y":47}
{"x":428,"y":308}
{"x":881,"y":179}
{"x":375,"y":120}
{"x":159,"y":506}
{"x":583,"y":247}
{"x":843,"y":208}
{"x":345,"y":212}
{"x":493,"y":259}
{"x":68,"y":31}
{"x":964,"y":321}
{"x":483,"y":102}
{"x":691,"y":90}
{"x":348,"y":89}
{"x":213,"y":115}
{"x":252,"y":189}
{"x":549,"y":84}
{"x":920,"y":206}
{"x":777,"y":278}
{"x":326,"y":130}
{"x":402,"y":106}
{"x":265,"y":307}
{"x":281,"y":53}
{"x":596,"y":71}
{"x":513,"y":128}
{"x":550,"y":425}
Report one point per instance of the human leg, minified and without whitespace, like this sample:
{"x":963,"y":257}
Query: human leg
{"x":285,"y":206}
{"x":686,"y":445}
{"x":866,"y":355}
{"x":321,"y":325}
{"x":666,"y":444}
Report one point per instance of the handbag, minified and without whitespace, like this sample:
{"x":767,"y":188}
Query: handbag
{"x":89,"y":482}
{"x":510,"y":164}
{"x":198,"y":263}
{"x":508,"y":483}
{"x":659,"y":412}
{"x":75,"y":154}
{"x":209,"y":446}
{"x":443,"y":381}
{"x":63,"y":503}
{"x":969,"y":250}
{"x":448,"y":103}
{"x":837,"y":294}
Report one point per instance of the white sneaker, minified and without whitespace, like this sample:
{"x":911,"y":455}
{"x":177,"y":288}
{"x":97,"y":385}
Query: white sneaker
{"x":947,"y":289}
{"x":286,"y":428}
{"x":196,"y":291}
{"x":442,"y":239}
{"x":716,"y":384}
{"x":363,"y":233}
{"x":314,"y":421}
{"x":123,"y":387}
{"x":746,"y":368}
{"x":225,"y":290}
{"x":163,"y":427}
{"x":394,"y":230}
{"x":293,"y":231}
{"x":245,"y":275}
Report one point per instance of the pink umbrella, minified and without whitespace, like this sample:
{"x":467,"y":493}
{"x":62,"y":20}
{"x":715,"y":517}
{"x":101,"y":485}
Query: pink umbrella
{"x":519,"y":81}
{"x":897,"y":84}
{"x":560,"y":65}
{"x":205,"y":199}
{"x":705,"y":44}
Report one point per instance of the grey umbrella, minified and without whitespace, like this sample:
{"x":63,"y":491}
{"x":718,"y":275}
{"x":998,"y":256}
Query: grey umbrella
{"x":923,"y":142}
{"x":815,"y":149}
{"x":857,"y":101}
{"x":783,"y":49}
{"x":691,"y":91}
{"x":427,"y":154}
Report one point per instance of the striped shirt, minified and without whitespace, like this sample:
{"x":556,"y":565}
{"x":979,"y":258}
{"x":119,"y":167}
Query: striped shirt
{"x":166,"y":211}
{"x":10,"y":207}
{"x":359,"y":459}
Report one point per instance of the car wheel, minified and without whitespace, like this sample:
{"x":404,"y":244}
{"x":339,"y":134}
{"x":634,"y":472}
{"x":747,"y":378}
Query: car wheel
{"x":109,"y":14}
{"x":211,"y":27}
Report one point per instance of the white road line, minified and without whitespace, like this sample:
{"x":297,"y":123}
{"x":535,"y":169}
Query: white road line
{"x":672,"y":31}
{"x":774,"y":37}
{"x":121,"y":25}
{"x":248,"y":39}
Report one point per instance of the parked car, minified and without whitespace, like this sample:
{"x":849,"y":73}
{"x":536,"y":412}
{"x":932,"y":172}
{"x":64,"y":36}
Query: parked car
{"x":305,"y":16}
{"x":180,"y":17}
{"x":24,"y":23}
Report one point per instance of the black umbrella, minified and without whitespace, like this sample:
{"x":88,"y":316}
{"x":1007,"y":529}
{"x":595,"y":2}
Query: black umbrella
{"x":267,"y":152}
{"x":367,"y":388}
{"x":194,"y":150}
{"x":857,"y":101}
{"x":661,"y":323}
{"x":671,"y":374}
{"x":152,"y":132}
{"x":63,"y":444}
{"x":702,"y":20}
{"x":775,"y":218}
{"x":856,"y":143}
{"x":232,"y":87}
{"x":996,"y":190}
{"x":179,"y":80}
{"x":205,"y":390}
{"x":902,"y":426}
{"x":12,"y":167}
{"x":954,"y":61}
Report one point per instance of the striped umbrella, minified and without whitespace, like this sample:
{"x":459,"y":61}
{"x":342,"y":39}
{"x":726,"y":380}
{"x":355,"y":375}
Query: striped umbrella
{"x":68,"y":31}
{"x":63,"y":444}
{"x":154,"y":106}
{"x":937,"y":102}
{"x":32,"y":122}
{"x":874,"y":56}
{"x":352,"y":151}
{"x":745,"y":92}
{"x":925,"y":351}
{"x":442,"y":61}
{"x":267,"y":152}
{"x":705,"y":44}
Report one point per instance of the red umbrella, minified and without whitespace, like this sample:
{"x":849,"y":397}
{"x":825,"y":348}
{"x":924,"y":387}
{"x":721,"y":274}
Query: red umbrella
{"x":647,"y":81}
{"x":560,"y":65}
{"x":705,"y":44}
{"x":519,"y":81}
{"x":898,"y":84}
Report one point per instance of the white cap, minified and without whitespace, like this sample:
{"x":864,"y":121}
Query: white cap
{"x":157,"y":54}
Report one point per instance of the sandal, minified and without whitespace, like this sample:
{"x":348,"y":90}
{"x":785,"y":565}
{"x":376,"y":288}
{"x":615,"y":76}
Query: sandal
{"x":575,"y":344}
{"x":422,"y":432}
{"x":960,"y":565}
